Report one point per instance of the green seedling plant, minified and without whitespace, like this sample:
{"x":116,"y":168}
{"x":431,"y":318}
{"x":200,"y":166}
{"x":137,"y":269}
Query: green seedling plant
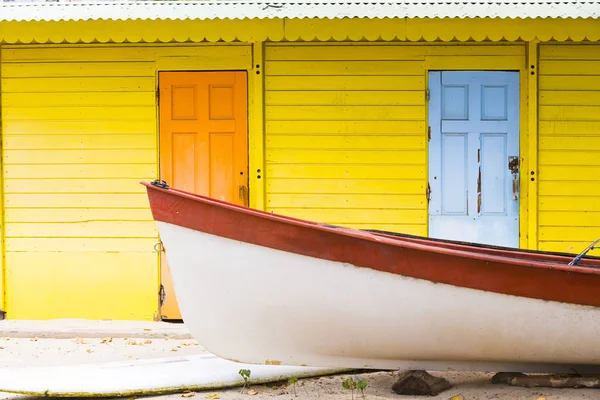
{"x":351,"y":384}
{"x":245,"y":374}
{"x":292,"y":381}
{"x":362,"y":385}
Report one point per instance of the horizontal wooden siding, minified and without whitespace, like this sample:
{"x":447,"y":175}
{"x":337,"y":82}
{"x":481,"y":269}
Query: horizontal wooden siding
{"x":569,"y":143}
{"x":79,"y":133}
{"x":346,"y":136}
{"x":346,"y":128}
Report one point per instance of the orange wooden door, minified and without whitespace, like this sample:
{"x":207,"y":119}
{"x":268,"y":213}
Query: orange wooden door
{"x":203,"y":143}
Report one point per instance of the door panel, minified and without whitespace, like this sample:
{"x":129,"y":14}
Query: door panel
{"x":474,"y":120}
{"x":203,"y":143}
{"x":454,"y":167}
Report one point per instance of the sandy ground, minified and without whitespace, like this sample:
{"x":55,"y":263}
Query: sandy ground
{"x":470,"y":386}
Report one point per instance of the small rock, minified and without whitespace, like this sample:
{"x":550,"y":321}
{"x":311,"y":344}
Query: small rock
{"x":420,"y":383}
{"x":504,"y":378}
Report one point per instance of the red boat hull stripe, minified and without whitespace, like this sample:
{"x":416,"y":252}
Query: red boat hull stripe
{"x":525,"y":278}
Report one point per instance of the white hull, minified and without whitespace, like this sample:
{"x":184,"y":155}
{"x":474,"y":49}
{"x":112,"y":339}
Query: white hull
{"x":142,"y":377}
{"x":258,"y":305}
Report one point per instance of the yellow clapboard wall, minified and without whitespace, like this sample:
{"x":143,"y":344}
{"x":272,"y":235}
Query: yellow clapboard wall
{"x":345,"y":143}
{"x":346,"y":135}
{"x":79,"y":131}
{"x":569,"y":146}
{"x":346,"y":128}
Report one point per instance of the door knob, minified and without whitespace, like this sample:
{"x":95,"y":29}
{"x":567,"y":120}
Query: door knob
{"x":513,"y":166}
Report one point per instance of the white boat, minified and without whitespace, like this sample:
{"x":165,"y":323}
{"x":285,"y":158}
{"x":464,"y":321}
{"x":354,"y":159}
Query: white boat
{"x":259,"y":288}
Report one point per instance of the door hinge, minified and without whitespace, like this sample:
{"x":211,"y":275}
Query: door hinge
{"x":162,"y":295}
{"x":427,"y":95}
{"x":157,"y":95}
{"x":429,"y":133}
{"x":428,"y":192}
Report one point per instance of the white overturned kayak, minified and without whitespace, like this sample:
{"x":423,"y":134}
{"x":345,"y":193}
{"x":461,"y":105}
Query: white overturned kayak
{"x":144,"y":377}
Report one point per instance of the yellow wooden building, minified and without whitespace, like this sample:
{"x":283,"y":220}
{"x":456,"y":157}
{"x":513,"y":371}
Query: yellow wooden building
{"x":447,"y":119}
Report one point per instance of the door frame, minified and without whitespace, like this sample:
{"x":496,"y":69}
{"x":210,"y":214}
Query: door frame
{"x":527,"y":123}
{"x":253,"y":66}
{"x":464,"y":216}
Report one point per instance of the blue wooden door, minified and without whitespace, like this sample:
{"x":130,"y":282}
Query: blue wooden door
{"x":474,"y":157}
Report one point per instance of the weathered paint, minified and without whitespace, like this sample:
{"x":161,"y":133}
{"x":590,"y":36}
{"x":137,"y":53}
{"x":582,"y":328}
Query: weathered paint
{"x":474,"y":119}
{"x":79,"y":133}
{"x":569,"y":146}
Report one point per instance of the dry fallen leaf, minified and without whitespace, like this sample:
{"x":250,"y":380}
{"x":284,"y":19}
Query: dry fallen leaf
{"x":541,"y":398}
{"x":188,"y":394}
{"x":89,"y":350}
{"x":213,"y":396}
{"x":106,"y":340}
{"x":1,"y":348}
{"x":34,"y":339}
{"x":252,"y":392}
{"x":148,"y":342}
{"x":80,"y":341}
{"x":7,"y":338}
{"x":174,"y":350}
{"x":457,"y":398}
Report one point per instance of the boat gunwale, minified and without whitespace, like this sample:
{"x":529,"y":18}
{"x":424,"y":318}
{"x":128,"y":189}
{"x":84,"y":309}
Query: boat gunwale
{"x":366,"y":235}
{"x":400,"y":236}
